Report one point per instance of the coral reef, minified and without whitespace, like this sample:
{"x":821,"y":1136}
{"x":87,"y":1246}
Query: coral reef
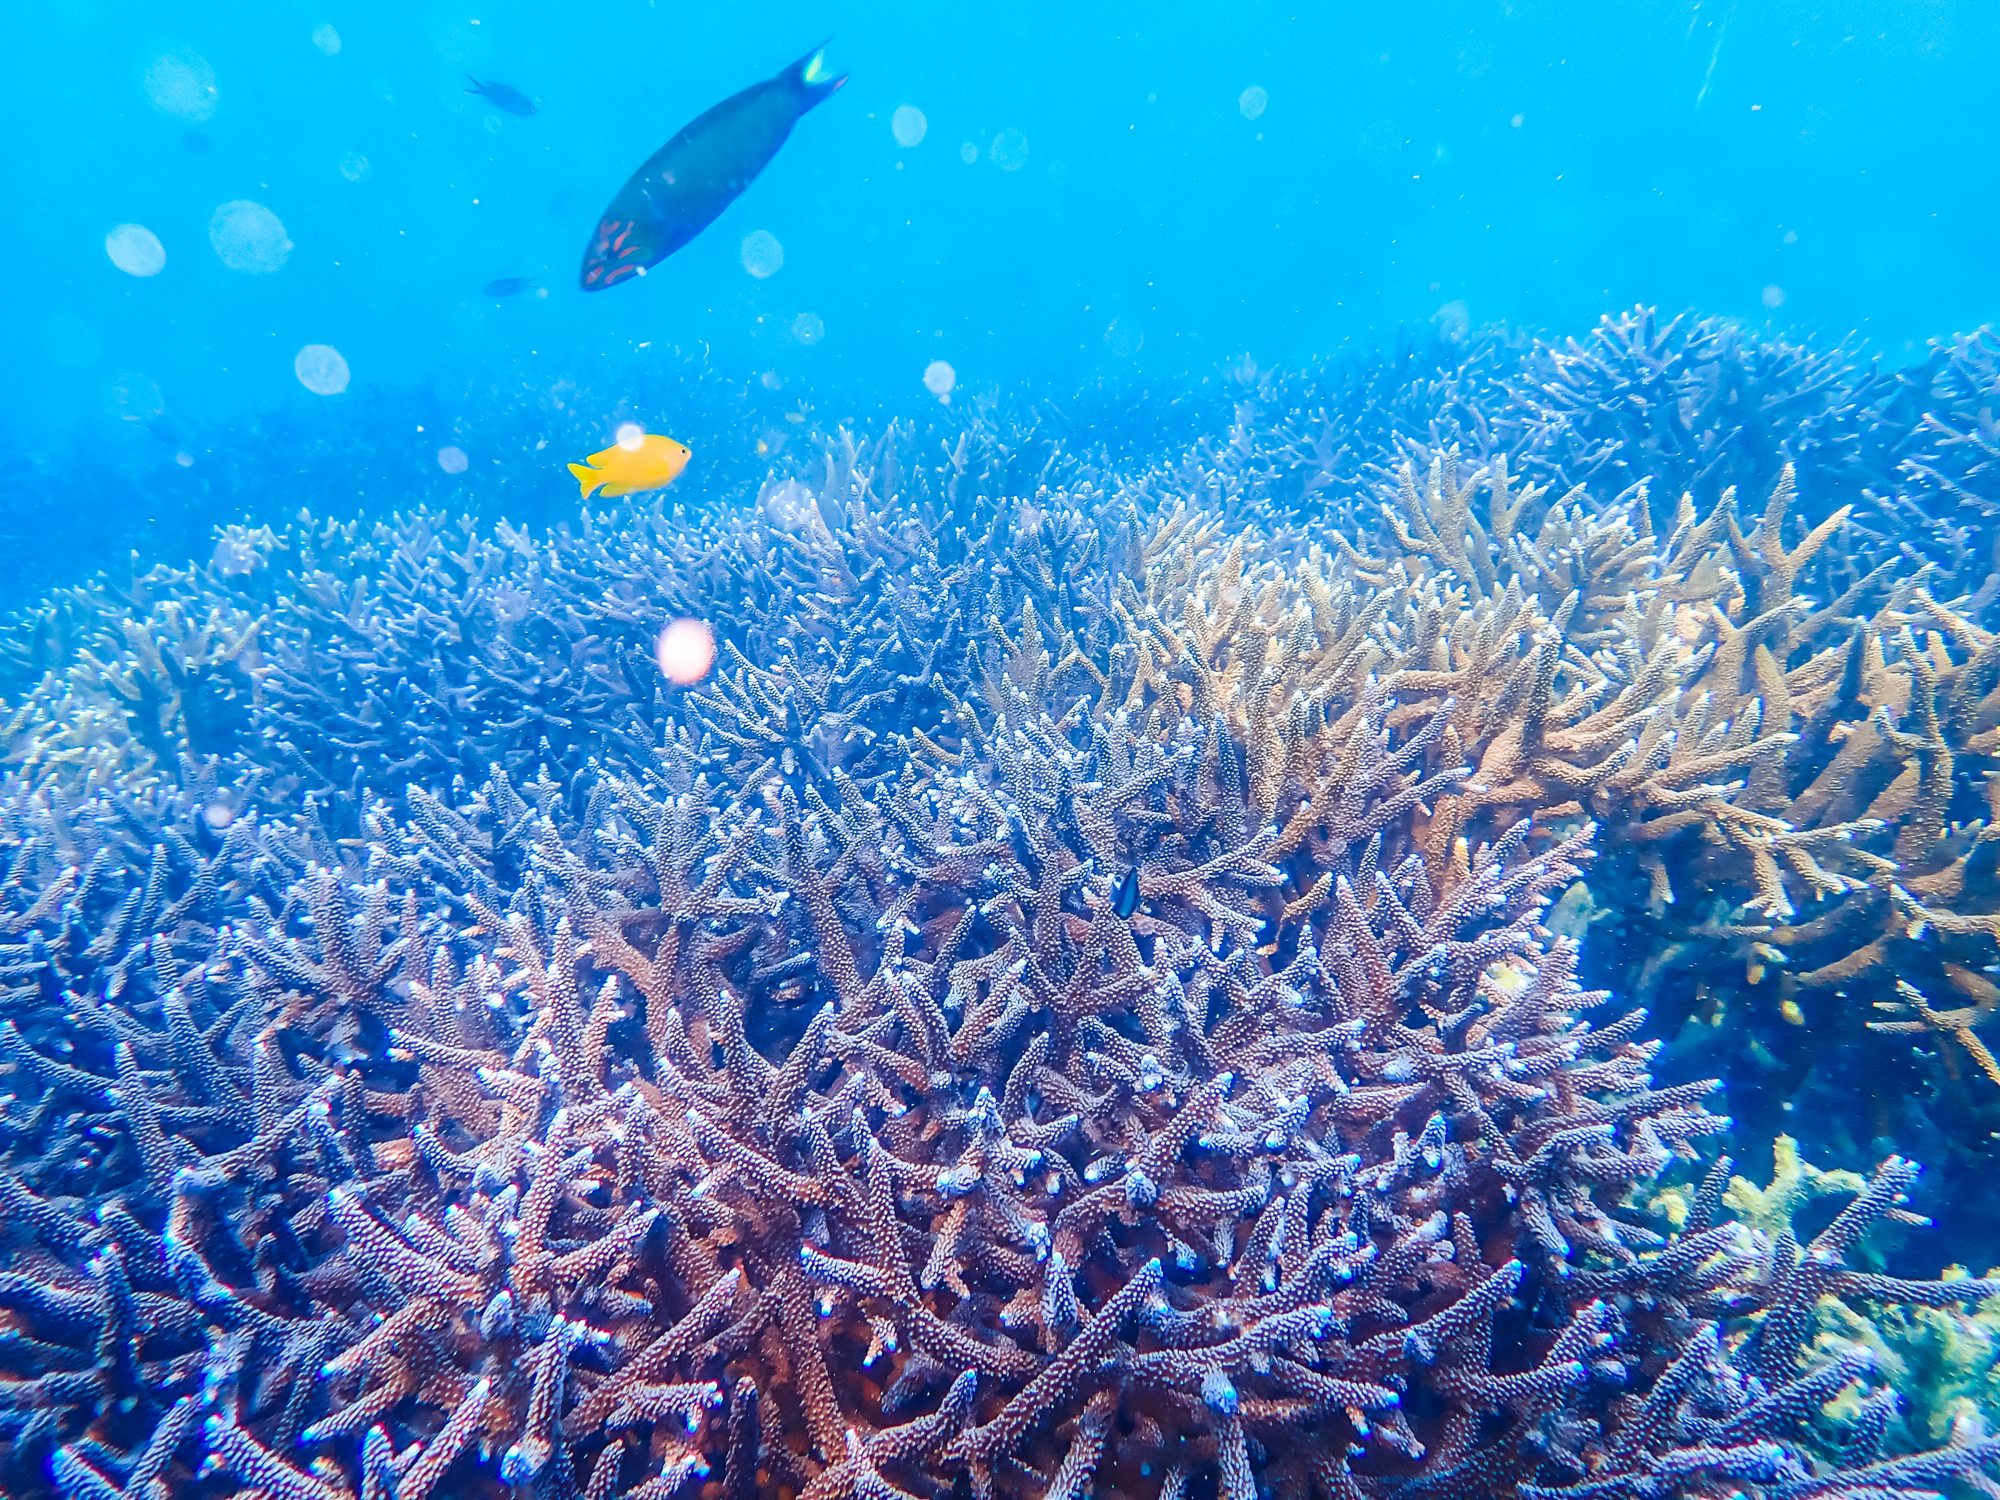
{"x":1078,"y":1000}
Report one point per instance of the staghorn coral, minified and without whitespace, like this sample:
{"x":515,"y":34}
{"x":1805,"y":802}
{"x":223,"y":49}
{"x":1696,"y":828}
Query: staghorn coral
{"x":491,"y":1066}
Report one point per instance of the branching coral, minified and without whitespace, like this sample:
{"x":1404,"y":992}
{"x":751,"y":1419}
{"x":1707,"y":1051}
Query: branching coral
{"x":1066,"y":1003}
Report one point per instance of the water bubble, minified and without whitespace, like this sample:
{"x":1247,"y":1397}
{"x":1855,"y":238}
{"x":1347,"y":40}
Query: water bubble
{"x":908,"y":125}
{"x":248,"y":237}
{"x":185,"y":459}
{"x":355,"y":168}
{"x":939,"y":378}
{"x":452,"y":459}
{"x":631,"y":436}
{"x":321,"y":370}
{"x":1774,"y":296}
{"x":70,"y":341}
{"x":1123,"y":339}
{"x":1253,"y":101}
{"x":968,"y":153}
{"x":136,"y":398}
{"x":808,"y":329}
{"x":182,"y":84}
{"x":762,"y":254}
{"x":136,"y":250}
{"x":1009,"y":150}
{"x":327,"y":39}
{"x":685,"y":651}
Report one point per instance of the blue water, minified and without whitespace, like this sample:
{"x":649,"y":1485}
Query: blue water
{"x":1827,"y":168}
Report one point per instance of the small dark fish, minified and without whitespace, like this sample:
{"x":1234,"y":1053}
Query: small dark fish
{"x":504,"y":95}
{"x":697,"y":174}
{"x":509,"y":286}
{"x":1125,"y":899}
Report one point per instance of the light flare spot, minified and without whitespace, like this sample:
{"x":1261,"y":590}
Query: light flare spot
{"x":452,"y":459}
{"x":631,"y":436}
{"x":327,"y":39}
{"x":968,"y":153}
{"x":1252,"y":102}
{"x":939,"y":379}
{"x":321,"y":369}
{"x":908,"y":125}
{"x":355,"y":167}
{"x":1774,"y":296}
{"x":762,"y":254}
{"x":1009,"y":150}
{"x":808,"y":329}
{"x":136,"y":250}
{"x":685,"y":651}
{"x":248,"y":237}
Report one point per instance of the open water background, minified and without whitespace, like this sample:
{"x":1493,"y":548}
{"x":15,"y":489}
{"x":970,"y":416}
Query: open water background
{"x":1827,"y":168}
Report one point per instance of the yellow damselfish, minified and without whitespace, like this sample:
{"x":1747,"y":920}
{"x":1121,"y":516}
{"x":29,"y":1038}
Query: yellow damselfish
{"x":653,"y":464}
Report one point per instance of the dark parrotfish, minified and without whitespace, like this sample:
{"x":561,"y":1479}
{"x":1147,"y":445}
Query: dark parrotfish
{"x":697,"y":174}
{"x":509,"y":286}
{"x":502,"y":95}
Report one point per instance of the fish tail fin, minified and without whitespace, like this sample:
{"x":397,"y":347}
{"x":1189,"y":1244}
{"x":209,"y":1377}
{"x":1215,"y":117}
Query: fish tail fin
{"x":809,"y":75}
{"x":477,"y":86}
{"x":586,"y":476}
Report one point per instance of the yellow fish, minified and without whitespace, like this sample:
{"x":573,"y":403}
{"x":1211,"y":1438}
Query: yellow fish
{"x":652,"y":463}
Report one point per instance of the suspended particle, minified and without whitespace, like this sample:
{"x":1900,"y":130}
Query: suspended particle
{"x":321,"y":369}
{"x":1252,"y":102}
{"x":685,"y":651}
{"x":136,"y":250}
{"x":939,"y":378}
{"x":452,"y":459}
{"x":762,"y":254}
{"x":249,"y":237}
{"x":182,"y":84}
{"x":908,"y":125}
{"x":1009,"y":150}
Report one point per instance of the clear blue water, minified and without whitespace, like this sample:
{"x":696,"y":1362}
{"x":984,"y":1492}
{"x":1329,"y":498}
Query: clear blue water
{"x":1538,"y":163}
